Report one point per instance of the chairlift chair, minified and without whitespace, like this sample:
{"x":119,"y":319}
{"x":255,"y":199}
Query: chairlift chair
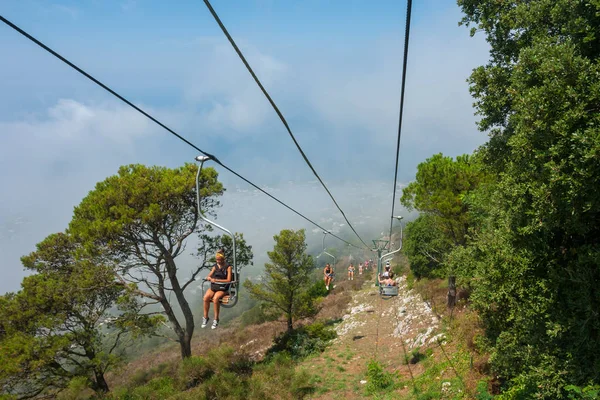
{"x":387,"y":292}
{"x":231,"y":298}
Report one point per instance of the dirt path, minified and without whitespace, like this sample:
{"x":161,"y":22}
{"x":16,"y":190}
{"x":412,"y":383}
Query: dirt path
{"x":373,"y":328}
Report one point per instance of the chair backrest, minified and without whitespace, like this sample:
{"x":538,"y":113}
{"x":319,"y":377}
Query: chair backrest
{"x":389,"y":290}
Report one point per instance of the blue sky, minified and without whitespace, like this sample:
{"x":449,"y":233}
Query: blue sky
{"x":333,"y":67}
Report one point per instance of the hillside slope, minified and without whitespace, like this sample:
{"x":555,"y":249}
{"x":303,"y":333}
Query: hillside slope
{"x":420,"y":355}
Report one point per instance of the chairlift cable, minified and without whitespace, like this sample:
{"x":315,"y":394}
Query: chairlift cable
{"x":279,"y":113}
{"x":111,"y":91}
{"x":406,"y":37}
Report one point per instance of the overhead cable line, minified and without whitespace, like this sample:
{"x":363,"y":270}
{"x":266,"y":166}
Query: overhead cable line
{"x":102,"y":85}
{"x":406,"y":37}
{"x":281,"y":117}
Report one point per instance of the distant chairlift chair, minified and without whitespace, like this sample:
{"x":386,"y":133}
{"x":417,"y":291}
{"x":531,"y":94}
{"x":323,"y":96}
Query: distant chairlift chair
{"x":387,"y":292}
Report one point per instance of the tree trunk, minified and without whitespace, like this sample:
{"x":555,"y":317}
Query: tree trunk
{"x":182,"y":337}
{"x":185,"y":344}
{"x":451,"y":291}
{"x":101,"y":386}
{"x":290,"y":325}
{"x":185,"y":337}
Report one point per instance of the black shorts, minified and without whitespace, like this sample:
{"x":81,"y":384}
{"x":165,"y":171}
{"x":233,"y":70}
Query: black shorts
{"x":219,"y":287}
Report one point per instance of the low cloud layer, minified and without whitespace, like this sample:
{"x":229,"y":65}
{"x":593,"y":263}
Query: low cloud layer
{"x":61,"y":134}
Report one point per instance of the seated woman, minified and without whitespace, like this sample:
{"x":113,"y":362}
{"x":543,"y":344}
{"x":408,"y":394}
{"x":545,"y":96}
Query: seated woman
{"x":328,"y":275}
{"x":351,"y":272}
{"x":219,"y":278}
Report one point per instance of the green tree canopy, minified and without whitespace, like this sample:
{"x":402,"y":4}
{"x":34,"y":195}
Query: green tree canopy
{"x":439,"y":188}
{"x":141,"y":219}
{"x":60,"y":325}
{"x":287,"y":277}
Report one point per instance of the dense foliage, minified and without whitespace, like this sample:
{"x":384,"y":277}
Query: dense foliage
{"x":535,"y":250}
{"x":210,"y":244}
{"x":526,"y":242}
{"x":426,"y":246}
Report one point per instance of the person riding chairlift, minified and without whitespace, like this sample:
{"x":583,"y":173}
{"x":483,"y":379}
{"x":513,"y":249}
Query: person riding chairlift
{"x":328,"y":275}
{"x":219,"y":278}
{"x":351,"y":272}
{"x":387,"y":281}
{"x":387,"y":273}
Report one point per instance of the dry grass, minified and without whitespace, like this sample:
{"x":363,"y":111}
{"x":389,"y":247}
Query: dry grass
{"x":334,"y":306}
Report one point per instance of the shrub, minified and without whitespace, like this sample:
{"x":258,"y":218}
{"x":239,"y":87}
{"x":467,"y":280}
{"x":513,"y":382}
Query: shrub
{"x":416,"y":356}
{"x":225,"y":358}
{"x":225,"y":385}
{"x":377,"y":378}
{"x":156,"y":389}
{"x":410,"y":280}
{"x":194,"y":370}
{"x":429,"y":395}
{"x":78,"y":389}
{"x":141,"y":377}
{"x":320,"y":331}
{"x":303,"y":341}
{"x":482,"y":392}
{"x":301,"y":385}
{"x":276,"y":379}
{"x":318,"y":289}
